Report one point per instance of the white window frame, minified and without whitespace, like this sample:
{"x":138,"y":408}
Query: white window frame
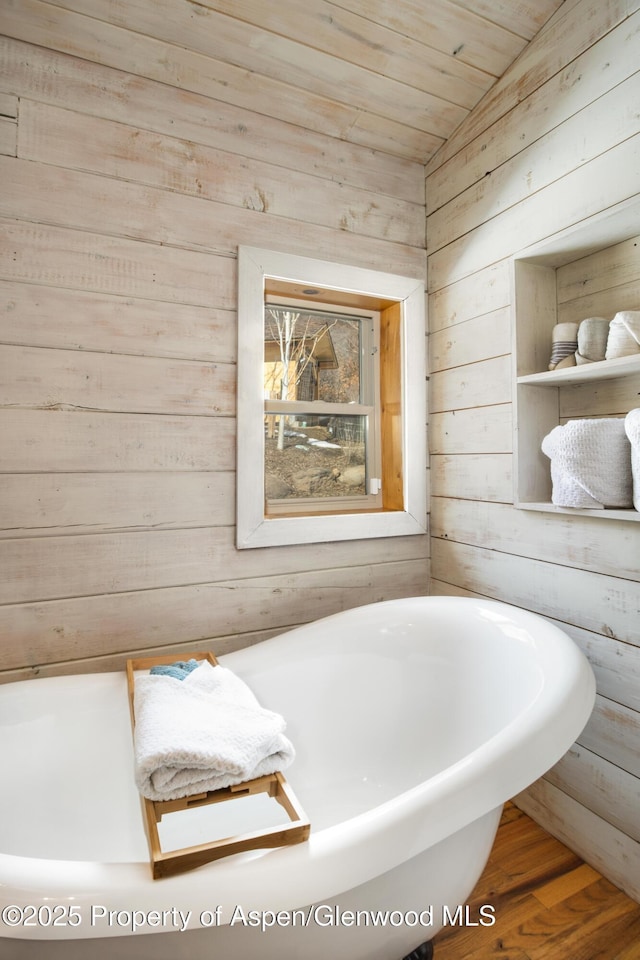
{"x":253,"y":528}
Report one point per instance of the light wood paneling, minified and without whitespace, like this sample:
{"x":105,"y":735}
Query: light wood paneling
{"x":396,"y":29}
{"x":500,"y":157}
{"x":470,"y":341}
{"x":272,"y":56}
{"x":8,"y":105}
{"x":51,"y":568}
{"x":470,"y":297}
{"x":142,"y":165}
{"x":603,"y":604}
{"x":472,"y":477}
{"x":616,"y":665}
{"x":106,"y":625}
{"x":115,"y":324}
{"x":575,"y":29}
{"x":552,"y":144}
{"x":589,"y":133}
{"x":73,"y":140}
{"x":61,"y":441}
{"x":603,"y":272}
{"x":480,"y":430}
{"x":59,"y":257}
{"x":115,"y":95}
{"x":42,"y":505}
{"x":599,"y":785}
{"x":567,"y":201}
{"x":485,"y":383}
{"x":117,"y":661}
{"x":613,"y":732}
{"x":612,"y":551}
{"x":104,"y":382}
{"x":176,"y":221}
{"x":399,"y":81}
{"x":8,"y":137}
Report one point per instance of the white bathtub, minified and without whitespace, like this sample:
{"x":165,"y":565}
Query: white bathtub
{"x":414,"y":721}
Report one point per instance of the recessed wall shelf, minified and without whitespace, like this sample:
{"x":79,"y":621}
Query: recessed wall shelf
{"x":602,"y":370}
{"x":590,"y":270}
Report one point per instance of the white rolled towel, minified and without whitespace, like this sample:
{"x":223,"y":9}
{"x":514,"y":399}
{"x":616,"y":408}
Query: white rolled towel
{"x":202,"y":733}
{"x":632,"y":427}
{"x":564,"y":343}
{"x":590,"y":463}
{"x":624,"y":335}
{"x":593,"y":334}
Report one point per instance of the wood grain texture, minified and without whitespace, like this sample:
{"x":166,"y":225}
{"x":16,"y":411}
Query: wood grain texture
{"x":69,"y":633}
{"x":95,"y":90}
{"x":549,"y":905}
{"x":397,"y":80}
{"x":140,"y":143}
{"x":528,"y":165}
{"x":143,"y":161}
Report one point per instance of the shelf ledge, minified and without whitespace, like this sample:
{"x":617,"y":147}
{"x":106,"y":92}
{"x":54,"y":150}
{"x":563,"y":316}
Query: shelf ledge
{"x":606,"y":514}
{"x":600,"y":370}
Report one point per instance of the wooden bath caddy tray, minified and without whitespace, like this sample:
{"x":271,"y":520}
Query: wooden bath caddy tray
{"x":186,"y":858}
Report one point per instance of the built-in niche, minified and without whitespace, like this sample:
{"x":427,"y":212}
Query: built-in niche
{"x":591,"y":270}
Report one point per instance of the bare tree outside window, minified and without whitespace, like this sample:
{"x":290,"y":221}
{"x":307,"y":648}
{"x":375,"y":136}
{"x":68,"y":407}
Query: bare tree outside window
{"x":297,"y":338}
{"x":315,"y":422}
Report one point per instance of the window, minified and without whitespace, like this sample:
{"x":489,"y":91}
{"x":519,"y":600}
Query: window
{"x":331,"y":402}
{"x":322,"y":422}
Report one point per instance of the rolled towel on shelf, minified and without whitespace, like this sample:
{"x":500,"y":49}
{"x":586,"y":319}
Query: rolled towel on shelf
{"x":590,"y":464}
{"x":624,"y":335}
{"x":202,"y":733}
{"x":593,"y":334}
{"x":564,"y":343}
{"x":632,"y":428}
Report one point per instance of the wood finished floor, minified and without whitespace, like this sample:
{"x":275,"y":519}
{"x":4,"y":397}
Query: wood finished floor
{"x":549,"y":904}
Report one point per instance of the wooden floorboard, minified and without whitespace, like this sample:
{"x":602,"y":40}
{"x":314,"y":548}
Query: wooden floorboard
{"x":548,"y":905}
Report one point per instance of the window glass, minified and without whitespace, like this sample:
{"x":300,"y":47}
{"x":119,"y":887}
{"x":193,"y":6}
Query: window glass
{"x":321,"y":457}
{"x":310,"y":355}
{"x":317,"y":361}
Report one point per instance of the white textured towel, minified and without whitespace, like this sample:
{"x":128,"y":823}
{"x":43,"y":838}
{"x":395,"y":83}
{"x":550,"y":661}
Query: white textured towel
{"x":632,"y":427}
{"x":202,"y":733}
{"x":624,"y":335}
{"x":590,"y":463}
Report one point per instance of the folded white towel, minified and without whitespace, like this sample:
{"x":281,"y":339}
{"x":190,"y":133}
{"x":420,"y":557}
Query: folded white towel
{"x":590,"y":463}
{"x":632,"y":427}
{"x":624,"y":335}
{"x":202,"y":733}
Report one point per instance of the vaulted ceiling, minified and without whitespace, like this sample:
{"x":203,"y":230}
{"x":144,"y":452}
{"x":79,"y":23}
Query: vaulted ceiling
{"x":396,"y":75}
{"x":393,"y":75}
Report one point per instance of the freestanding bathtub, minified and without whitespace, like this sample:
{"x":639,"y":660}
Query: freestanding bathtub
{"x":414,"y":721}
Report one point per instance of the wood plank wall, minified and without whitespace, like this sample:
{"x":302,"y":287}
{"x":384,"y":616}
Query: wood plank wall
{"x":556,"y":141}
{"x":124,"y":201}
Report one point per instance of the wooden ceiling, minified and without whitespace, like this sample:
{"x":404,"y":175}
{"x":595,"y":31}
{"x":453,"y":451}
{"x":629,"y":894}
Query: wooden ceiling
{"x":394,"y":75}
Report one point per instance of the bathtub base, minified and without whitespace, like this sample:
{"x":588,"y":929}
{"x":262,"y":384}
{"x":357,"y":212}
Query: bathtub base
{"x":423,"y":952}
{"x":444,"y":874}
